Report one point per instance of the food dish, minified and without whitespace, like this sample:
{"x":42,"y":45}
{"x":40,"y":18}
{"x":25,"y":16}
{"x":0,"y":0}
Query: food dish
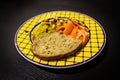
{"x":54,"y":38}
{"x":93,"y":48}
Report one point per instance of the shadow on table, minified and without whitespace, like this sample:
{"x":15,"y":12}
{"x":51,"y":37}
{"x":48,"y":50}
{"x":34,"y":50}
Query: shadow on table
{"x":87,"y":66}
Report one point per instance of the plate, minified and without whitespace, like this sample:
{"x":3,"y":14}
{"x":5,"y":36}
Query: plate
{"x":92,"y":49}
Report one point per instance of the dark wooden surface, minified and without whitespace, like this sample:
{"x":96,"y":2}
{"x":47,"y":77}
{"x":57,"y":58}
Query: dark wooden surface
{"x":14,"y":67}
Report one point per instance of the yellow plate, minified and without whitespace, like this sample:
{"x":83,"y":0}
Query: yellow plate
{"x":90,"y":51}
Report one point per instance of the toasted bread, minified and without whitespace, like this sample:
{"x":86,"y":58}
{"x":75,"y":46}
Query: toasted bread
{"x":54,"y":46}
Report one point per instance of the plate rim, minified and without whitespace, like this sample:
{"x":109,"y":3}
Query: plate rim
{"x":61,"y":67}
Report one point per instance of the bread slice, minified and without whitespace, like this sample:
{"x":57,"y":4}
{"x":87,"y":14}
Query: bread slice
{"x":54,"y":46}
